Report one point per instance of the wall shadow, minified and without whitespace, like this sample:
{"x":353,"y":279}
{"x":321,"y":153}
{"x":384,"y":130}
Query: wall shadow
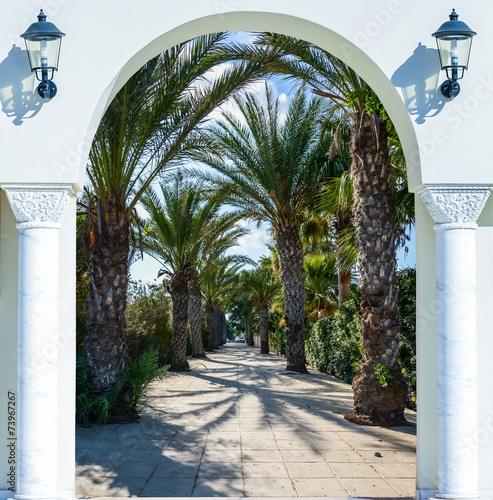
{"x":18,"y":96}
{"x":418,"y":79}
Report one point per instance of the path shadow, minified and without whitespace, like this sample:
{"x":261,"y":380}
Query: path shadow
{"x":418,"y":80}
{"x":18,"y":96}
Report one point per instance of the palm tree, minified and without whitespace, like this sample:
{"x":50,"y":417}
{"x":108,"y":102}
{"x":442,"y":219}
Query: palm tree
{"x":321,"y":284}
{"x":374,"y":217}
{"x":266,"y":168}
{"x":262,"y":289}
{"x":219,"y":288}
{"x":242,"y":314}
{"x":151,"y":124}
{"x":183,"y":227}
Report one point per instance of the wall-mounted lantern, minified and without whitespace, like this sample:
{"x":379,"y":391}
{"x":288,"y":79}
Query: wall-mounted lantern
{"x":454,"y":40}
{"x":43,"y":40}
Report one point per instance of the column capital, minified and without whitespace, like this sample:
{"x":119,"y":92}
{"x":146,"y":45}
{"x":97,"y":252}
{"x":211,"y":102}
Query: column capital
{"x":38,"y":205}
{"x":455,"y":206}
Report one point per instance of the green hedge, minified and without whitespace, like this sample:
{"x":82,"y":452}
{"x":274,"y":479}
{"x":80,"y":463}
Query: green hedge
{"x":333,"y":344}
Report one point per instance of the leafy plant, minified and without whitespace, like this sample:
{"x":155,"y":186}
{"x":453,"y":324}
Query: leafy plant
{"x":123,"y":401}
{"x":333,"y":344}
{"x":406,"y":303}
{"x":383,"y":374}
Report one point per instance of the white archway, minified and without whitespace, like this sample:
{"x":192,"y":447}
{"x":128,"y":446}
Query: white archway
{"x":106,"y":44}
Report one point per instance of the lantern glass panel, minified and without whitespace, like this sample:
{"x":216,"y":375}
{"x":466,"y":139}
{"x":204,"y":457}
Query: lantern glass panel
{"x":454,"y":54}
{"x":43,"y":54}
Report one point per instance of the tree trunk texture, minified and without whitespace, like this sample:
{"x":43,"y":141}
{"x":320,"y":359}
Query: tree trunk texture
{"x":217,"y":326}
{"x":344,"y":285}
{"x":292,"y":273}
{"x":179,"y":299}
{"x":376,"y":238}
{"x":195,"y":319}
{"x":209,"y":323}
{"x":224,"y":330}
{"x":263,"y":326}
{"x":249,"y":335}
{"x":104,"y":345}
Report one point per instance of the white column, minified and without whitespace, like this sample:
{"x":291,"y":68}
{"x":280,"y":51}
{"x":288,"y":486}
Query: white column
{"x":38,"y":209}
{"x":455,"y":210}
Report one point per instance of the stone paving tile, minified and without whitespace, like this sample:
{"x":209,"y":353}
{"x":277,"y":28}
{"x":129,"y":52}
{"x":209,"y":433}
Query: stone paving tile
{"x":406,"y":487}
{"x":389,"y":470}
{"x":354,"y":470}
{"x":221,"y":487}
{"x":306,"y":470}
{"x":268,"y":456}
{"x":341,"y":456}
{"x":303,"y":456}
{"x":269,"y":487}
{"x":265,"y":470}
{"x":177,"y":487}
{"x":318,"y":487}
{"x":369,"y":487}
{"x":238,"y":424}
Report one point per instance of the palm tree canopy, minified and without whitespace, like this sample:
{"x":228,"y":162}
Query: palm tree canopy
{"x":152,"y":122}
{"x":264,"y":163}
{"x":261,"y":285}
{"x":185,"y":225}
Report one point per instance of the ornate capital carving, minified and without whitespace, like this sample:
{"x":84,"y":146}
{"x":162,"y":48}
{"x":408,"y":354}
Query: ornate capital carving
{"x":459,"y":206}
{"x":38,"y":205}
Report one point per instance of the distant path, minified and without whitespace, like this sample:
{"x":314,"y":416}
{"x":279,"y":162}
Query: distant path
{"x":239,"y":425}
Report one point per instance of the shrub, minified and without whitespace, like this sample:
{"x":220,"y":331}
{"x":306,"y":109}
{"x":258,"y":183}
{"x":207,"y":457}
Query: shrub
{"x":123,"y":402}
{"x":333,"y":344}
{"x":406,"y":304}
{"x":277,"y":332}
{"x":149,"y":321}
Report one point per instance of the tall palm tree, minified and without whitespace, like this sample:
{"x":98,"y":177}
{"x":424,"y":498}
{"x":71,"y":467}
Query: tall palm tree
{"x":183,"y":227}
{"x":374,"y":216}
{"x":262,"y":288}
{"x":265,"y":165}
{"x":151,"y":124}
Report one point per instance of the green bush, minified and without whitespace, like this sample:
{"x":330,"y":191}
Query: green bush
{"x":277,"y":332}
{"x":149,"y":321}
{"x":333,"y":344}
{"x":406,"y":304}
{"x":123,"y":402}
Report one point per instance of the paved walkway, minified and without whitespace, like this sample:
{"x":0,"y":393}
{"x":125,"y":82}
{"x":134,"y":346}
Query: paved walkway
{"x":240,"y":425}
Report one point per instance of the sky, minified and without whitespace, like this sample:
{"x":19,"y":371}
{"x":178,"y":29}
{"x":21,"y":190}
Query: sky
{"x":253,"y":244}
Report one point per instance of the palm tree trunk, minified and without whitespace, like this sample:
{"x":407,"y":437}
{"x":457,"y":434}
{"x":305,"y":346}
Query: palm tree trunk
{"x":104,"y":346}
{"x":374,"y":217}
{"x":249,"y":333}
{"x":179,"y":298}
{"x":292,"y":273}
{"x":217,"y":326}
{"x":344,"y":285}
{"x":263,"y":323}
{"x":194,"y":319}
{"x":224,"y":329}
{"x":209,"y":322}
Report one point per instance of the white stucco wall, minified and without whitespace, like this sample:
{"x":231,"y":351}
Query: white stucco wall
{"x":387,"y":41}
{"x":8,"y":327}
